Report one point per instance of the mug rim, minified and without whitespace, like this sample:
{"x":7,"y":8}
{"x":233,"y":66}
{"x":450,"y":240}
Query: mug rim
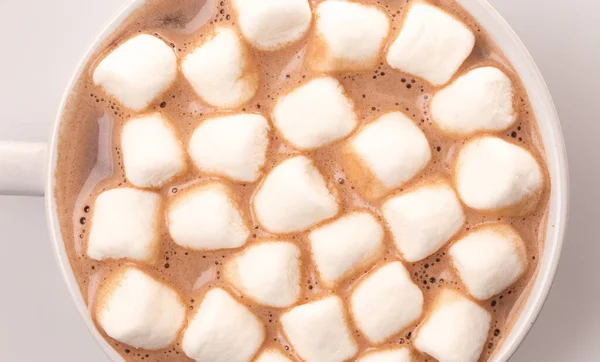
{"x":555,"y":156}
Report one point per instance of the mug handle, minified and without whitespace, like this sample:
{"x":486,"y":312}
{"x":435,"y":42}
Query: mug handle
{"x":22,"y":166}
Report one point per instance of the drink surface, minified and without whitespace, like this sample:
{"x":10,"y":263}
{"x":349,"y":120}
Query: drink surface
{"x":90,"y":162}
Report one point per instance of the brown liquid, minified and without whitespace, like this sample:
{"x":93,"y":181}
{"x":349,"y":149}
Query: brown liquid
{"x":89,"y":161}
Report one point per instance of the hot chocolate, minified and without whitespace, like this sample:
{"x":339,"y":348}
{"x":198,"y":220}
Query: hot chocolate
{"x":252,"y":180}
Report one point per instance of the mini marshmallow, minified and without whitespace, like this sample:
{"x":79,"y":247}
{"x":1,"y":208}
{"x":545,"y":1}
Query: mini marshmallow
{"x":268,"y":272}
{"x":489,"y":259}
{"x":432,"y":44}
{"x":385,"y":302}
{"x":318,"y":331}
{"x":222,"y":330}
{"x":125,"y":224}
{"x":152,"y":153}
{"x":456,"y":329}
{"x":348,"y":36}
{"x":232,"y":146}
{"x":492,"y":174}
{"x":294,"y":197}
{"x":387,"y":355}
{"x":207,"y":217}
{"x":136,"y":309}
{"x":315,"y":114}
{"x":272,"y":355}
{"x":272,"y":24}
{"x":220,"y":70}
{"x":423,"y":219}
{"x":385,"y":154}
{"x":481,"y":100}
{"x":350,"y":243}
{"x":138,"y":71}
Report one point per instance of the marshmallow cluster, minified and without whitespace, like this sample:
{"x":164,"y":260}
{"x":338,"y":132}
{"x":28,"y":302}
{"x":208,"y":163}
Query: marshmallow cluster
{"x":387,"y":355}
{"x":318,"y":331}
{"x":315,"y":114}
{"x":385,"y":302}
{"x":489,"y":259}
{"x":222,"y":330}
{"x":455,"y":330}
{"x":480,"y":100}
{"x":152,"y":152}
{"x":423,"y":219}
{"x":136,"y":309}
{"x":273,"y":24}
{"x":268,"y":272}
{"x":432,"y":44}
{"x":220,"y":70}
{"x":294,"y":197}
{"x":494,"y":175}
{"x":233,"y":146}
{"x":207,"y":217}
{"x":342,"y":247}
{"x":349,"y":36}
{"x":138,"y":71}
{"x":385,"y":154}
{"x":125,"y":224}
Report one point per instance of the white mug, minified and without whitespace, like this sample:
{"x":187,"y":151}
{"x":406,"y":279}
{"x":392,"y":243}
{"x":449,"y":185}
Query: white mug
{"x":28,"y":169}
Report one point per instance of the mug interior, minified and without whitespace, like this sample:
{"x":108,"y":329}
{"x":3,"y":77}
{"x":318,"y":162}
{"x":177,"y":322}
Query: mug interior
{"x":548,"y":125}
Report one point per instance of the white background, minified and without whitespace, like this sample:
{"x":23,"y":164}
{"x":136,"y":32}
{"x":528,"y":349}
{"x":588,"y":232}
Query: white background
{"x":42,"y":42}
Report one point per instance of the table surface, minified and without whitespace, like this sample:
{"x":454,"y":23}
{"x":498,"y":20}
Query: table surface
{"x":44,"y":40}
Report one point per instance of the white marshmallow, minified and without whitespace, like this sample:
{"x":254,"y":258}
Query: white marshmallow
{"x":348,"y":36}
{"x":272,"y":355}
{"x":294,"y":197}
{"x":125,"y":224}
{"x":220,"y":70}
{"x":387,"y":355}
{"x":492,"y":174}
{"x":232,"y":146}
{"x":268,"y":272}
{"x":341,"y":248}
{"x":272,"y":24}
{"x":207,"y":217}
{"x":432,"y":44}
{"x":385,"y":154}
{"x":223,"y":330}
{"x":422,"y":220}
{"x":138,"y":71}
{"x":318,"y":331}
{"x":489,"y":259}
{"x":152,"y":153}
{"x":385,"y":302}
{"x":136,"y":309}
{"x":315,"y":114}
{"x":481,"y":100}
{"x":456,"y":329}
